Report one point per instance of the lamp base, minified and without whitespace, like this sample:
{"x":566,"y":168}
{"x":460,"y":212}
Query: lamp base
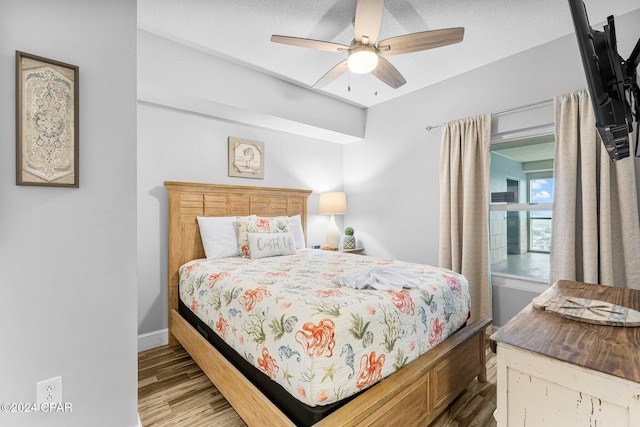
{"x":333,"y":234}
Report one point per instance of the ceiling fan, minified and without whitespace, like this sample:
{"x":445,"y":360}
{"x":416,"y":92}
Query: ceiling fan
{"x":365,"y":56}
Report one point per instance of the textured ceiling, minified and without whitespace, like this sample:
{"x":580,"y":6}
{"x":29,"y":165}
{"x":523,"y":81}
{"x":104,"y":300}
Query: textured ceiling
{"x":240,"y":30}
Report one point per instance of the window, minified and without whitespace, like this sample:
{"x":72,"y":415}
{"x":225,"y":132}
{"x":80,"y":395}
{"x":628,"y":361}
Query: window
{"x":540,"y":192}
{"x":521,"y":187}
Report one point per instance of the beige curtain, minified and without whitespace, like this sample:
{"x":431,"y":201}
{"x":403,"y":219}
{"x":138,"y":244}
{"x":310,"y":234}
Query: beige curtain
{"x":464,"y":206}
{"x":596,"y":231}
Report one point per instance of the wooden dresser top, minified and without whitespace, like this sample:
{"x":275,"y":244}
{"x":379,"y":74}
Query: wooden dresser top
{"x":610,"y":349}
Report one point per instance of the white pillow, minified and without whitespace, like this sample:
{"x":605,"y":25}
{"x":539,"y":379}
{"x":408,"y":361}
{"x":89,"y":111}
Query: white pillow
{"x":262,"y":245}
{"x":219,"y":236}
{"x":295,"y":226}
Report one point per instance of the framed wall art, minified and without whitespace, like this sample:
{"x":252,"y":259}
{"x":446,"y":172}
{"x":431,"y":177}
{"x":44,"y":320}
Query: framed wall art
{"x":246,"y":158}
{"x":47,"y":119}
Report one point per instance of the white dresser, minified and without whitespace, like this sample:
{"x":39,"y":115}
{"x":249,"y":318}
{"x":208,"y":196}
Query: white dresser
{"x":553,"y":371}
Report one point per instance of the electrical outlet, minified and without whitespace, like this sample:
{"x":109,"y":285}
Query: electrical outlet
{"x":49,"y":391}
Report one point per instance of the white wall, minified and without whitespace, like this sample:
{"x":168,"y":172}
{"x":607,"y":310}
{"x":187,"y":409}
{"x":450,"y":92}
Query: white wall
{"x":186,"y":143}
{"x":67,"y":256}
{"x":174,"y":75}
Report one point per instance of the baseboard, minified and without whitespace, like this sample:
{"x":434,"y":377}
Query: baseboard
{"x":153,"y":339}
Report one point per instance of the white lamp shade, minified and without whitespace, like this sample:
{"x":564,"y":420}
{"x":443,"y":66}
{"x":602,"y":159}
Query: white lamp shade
{"x":333,"y":203}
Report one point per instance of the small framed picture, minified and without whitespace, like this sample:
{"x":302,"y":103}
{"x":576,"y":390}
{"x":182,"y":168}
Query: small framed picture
{"x":246,"y":158}
{"x":47,"y":119}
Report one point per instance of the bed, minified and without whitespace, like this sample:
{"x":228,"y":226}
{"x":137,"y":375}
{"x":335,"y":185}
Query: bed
{"x":414,"y":395}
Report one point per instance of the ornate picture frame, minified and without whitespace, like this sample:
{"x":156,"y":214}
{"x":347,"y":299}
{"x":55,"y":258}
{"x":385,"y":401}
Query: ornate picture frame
{"x":47,"y":122}
{"x":246,"y":158}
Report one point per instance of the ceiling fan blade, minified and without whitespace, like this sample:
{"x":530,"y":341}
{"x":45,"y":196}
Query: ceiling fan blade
{"x":367,"y":21}
{"x":310,"y":43}
{"x":332,"y":74}
{"x":388,"y":74}
{"x":420,"y":41}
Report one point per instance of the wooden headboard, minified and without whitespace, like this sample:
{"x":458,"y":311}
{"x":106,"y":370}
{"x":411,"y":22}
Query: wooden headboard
{"x":188,"y":200}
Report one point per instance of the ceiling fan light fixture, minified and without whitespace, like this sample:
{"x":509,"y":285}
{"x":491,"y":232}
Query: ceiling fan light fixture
{"x":362,"y":59}
{"x":365,"y":56}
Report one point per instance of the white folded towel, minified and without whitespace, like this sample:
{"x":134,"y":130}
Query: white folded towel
{"x":384,"y":278}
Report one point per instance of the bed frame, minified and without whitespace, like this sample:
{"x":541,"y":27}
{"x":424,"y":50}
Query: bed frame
{"x":414,"y":395}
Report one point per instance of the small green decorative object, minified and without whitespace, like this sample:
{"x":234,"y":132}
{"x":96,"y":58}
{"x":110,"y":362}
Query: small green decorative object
{"x":349,"y":238}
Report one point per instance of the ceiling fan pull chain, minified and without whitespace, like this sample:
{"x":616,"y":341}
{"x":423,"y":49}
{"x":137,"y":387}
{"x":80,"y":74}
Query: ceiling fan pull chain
{"x":349,"y":82}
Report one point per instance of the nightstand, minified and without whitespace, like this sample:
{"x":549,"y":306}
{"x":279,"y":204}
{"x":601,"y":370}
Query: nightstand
{"x":353,"y":251}
{"x":346,"y":251}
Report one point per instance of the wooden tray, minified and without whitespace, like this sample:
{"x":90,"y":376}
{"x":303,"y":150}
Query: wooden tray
{"x":588,"y":310}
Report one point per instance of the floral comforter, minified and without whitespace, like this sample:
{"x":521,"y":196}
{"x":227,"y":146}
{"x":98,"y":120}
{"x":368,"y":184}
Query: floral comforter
{"x":320,"y":341}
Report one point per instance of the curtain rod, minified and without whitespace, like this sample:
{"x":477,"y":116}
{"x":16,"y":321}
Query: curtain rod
{"x":509,"y":110}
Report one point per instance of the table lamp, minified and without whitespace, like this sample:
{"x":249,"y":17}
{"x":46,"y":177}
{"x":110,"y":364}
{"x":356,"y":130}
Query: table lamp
{"x":333,"y":203}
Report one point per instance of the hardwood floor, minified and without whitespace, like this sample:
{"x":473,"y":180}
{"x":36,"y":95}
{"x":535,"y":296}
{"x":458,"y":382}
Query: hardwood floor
{"x":173,"y":391}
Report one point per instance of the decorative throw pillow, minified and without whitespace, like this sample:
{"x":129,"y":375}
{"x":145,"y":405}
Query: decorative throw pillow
{"x":263,"y":245}
{"x":219,"y":236}
{"x":257,"y":224}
